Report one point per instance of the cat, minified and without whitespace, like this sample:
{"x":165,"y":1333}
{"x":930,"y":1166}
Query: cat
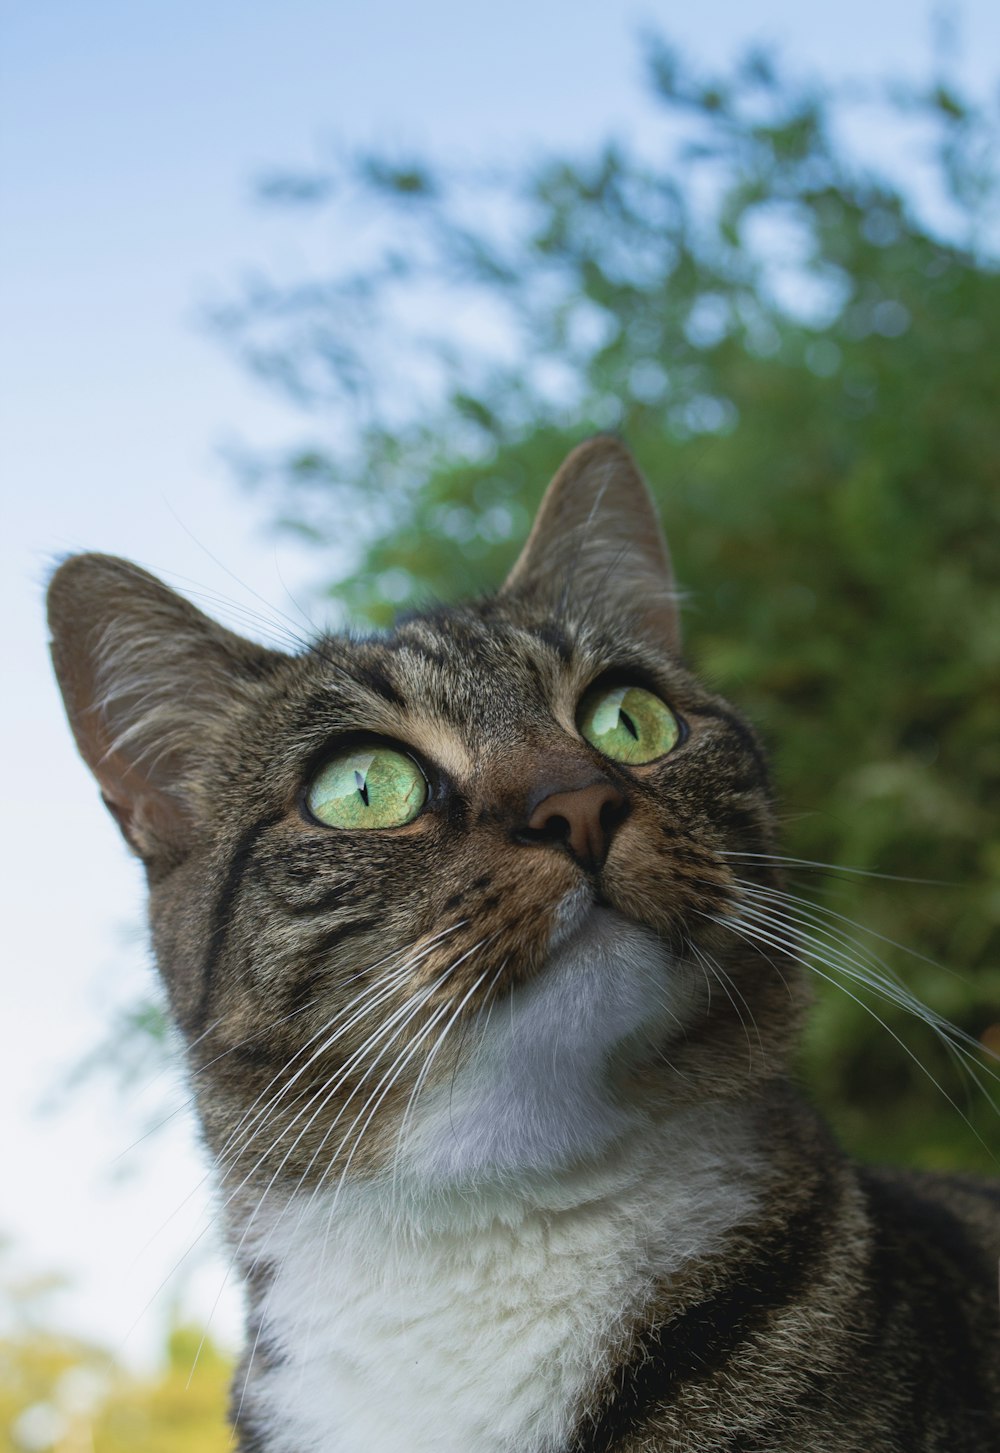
{"x":470,"y":929}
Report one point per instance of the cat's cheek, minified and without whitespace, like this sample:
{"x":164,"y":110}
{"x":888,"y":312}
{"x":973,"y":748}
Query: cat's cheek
{"x":502,"y":905}
{"x":660,"y":874}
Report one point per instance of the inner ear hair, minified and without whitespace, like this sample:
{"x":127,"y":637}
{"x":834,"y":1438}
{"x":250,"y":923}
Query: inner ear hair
{"x":147,"y":680}
{"x":597,"y":531}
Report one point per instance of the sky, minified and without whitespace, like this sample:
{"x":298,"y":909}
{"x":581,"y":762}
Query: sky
{"x":130,"y":139}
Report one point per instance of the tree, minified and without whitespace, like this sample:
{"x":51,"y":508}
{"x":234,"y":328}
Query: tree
{"x":803,"y":357}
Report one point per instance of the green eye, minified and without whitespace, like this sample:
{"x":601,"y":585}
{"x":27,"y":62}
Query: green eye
{"x":628,"y":723}
{"x":367,"y":787}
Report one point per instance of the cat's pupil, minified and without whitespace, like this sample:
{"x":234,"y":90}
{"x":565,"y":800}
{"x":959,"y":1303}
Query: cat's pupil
{"x":628,"y":723}
{"x":362,"y":786}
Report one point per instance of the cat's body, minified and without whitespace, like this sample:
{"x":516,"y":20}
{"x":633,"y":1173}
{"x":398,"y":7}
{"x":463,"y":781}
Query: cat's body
{"x":497,"y":1082}
{"x":638,"y":1311}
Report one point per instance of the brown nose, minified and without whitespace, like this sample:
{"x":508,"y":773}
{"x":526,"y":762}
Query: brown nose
{"x":583,"y":820}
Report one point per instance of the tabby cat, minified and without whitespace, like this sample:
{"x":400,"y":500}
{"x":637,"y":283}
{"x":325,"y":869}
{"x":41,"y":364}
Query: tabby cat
{"x":473,"y":932}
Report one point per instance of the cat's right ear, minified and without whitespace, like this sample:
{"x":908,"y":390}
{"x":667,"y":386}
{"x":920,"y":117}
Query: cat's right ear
{"x":147,"y":681}
{"x":596,"y":541}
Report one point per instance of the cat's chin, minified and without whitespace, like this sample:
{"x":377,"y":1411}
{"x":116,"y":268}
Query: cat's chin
{"x":582,"y":916}
{"x":533,"y":1091}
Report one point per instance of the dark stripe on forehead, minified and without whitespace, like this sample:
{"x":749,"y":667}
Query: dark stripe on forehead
{"x":372,"y":677}
{"x":221,"y":916}
{"x":555,"y":637}
{"x":696,"y":1344}
{"x":352,"y":670}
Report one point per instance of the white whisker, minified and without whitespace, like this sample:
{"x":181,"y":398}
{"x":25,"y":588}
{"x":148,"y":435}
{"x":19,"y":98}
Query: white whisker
{"x":771,"y":937}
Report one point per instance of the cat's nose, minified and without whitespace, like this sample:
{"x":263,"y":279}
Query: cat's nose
{"x":583,"y":820}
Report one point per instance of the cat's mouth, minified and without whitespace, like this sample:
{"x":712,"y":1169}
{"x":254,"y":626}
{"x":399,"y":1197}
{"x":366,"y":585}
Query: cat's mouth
{"x":582,"y":915}
{"x":572,"y":915}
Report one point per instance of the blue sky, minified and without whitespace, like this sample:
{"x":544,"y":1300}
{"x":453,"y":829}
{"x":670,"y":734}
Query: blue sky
{"x":130,"y":136}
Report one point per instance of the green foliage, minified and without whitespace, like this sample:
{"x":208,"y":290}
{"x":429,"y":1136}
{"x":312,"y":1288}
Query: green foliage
{"x":807,"y":369}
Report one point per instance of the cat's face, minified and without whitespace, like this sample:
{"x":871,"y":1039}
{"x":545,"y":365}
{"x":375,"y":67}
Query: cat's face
{"x":445,"y":899}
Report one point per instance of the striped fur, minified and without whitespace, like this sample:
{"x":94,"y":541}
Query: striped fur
{"x":506,"y":1143}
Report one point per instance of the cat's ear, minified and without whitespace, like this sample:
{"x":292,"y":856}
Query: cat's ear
{"x":147,"y":681}
{"x":596,"y":543}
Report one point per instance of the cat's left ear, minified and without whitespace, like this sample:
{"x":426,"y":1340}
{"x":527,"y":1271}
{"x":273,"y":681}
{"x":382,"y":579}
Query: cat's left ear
{"x":596,"y":545}
{"x":149,"y":684}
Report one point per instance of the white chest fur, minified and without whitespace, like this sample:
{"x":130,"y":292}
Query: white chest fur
{"x":477,"y":1319}
{"x":483,"y":1337}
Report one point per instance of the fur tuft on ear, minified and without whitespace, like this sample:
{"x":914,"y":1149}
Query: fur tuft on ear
{"x":147,"y":680}
{"x":597,"y":535}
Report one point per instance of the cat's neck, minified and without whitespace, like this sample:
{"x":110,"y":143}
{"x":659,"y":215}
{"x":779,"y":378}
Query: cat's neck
{"x":501,"y":1303}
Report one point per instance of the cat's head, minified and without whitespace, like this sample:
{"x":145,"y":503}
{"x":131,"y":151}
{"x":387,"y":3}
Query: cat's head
{"x":454,"y":895}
